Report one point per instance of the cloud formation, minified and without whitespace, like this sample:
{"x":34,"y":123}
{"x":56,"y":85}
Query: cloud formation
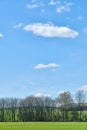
{"x":42,"y":95}
{"x":65,"y":7}
{"x":53,"y":2}
{"x":44,"y":66}
{"x":49,"y":30}
{"x":60,"y":92}
{"x":18,"y":26}
{"x":35,"y":4}
{"x":83,"y":88}
{"x":32,"y":6}
{"x":1,"y":35}
{"x":61,"y":9}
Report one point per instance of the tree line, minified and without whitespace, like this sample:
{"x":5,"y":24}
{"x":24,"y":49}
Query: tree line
{"x":44,"y":108}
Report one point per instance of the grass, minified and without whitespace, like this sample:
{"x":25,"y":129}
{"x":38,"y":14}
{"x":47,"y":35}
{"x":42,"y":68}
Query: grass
{"x":43,"y":126}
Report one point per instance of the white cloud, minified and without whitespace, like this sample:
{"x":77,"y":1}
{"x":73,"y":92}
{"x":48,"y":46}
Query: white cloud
{"x":49,"y":30}
{"x":68,"y":3}
{"x":42,"y":95}
{"x":53,"y":2}
{"x":1,"y":35}
{"x":43,"y":66}
{"x":65,"y":7}
{"x":18,"y":26}
{"x":61,"y":9}
{"x":60,"y":92}
{"x":32,"y":6}
{"x":35,"y":5}
{"x":83,"y":88}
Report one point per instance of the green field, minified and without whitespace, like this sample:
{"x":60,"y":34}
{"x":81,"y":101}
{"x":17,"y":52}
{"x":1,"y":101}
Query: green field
{"x":43,"y":126}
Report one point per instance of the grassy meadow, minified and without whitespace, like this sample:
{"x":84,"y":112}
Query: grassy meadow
{"x":43,"y":126}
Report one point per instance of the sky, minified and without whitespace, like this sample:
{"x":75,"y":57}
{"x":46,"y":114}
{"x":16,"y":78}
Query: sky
{"x":43,"y":47}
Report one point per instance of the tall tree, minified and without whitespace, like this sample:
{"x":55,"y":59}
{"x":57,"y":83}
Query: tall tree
{"x":2,"y":108}
{"x":80,"y":99}
{"x":65,"y":101}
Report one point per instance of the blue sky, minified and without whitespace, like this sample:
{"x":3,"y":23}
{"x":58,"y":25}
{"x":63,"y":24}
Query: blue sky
{"x":43,"y":47}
